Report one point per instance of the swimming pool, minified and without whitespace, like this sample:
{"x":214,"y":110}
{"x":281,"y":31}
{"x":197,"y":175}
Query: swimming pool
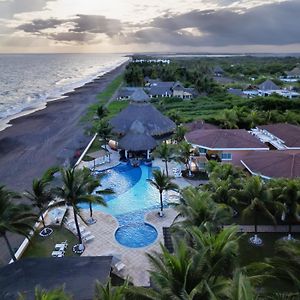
{"x":133,"y":197}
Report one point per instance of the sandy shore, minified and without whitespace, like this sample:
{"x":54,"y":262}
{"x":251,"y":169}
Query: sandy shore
{"x":45,"y":138}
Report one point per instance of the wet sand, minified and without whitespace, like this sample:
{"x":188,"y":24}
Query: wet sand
{"x":46,"y":138}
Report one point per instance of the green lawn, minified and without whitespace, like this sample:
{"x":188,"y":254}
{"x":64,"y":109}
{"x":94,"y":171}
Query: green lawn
{"x":104,"y":97}
{"x":43,"y":246}
{"x":115,"y":107}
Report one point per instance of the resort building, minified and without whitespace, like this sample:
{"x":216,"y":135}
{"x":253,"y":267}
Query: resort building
{"x":224,"y":145}
{"x":281,"y":136}
{"x":273,"y":164}
{"x":170,"y":89}
{"x":218,"y":71}
{"x":291,"y":76}
{"x":132,"y":93}
{"x":139,"y":126}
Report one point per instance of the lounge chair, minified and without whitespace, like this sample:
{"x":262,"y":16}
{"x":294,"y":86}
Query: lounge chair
{"x":119,"y":266}
{"x":88,"y":238}
{"x":61,"y":247}
{"x":57,"y":253}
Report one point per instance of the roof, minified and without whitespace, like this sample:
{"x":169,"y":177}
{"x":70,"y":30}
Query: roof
{"x":218,"y":69}
{"x":137,"y":138}
{"x":273,"y":164}
{"x":294,"y":72}
{"x":78,"y":274}
{"x":237,"y":92}
{"x":165,"y":84}
{"x":134,"y":93}
{"x":199,"y":124}
{"x":288,"y":133}
{"x":224,"y":139}
{"x":153,"y":120}
{"x":159,"y":91}
{"x":268,"y":85}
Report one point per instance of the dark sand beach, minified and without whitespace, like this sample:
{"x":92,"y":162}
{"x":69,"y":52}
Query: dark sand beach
{"x":45,"y":138}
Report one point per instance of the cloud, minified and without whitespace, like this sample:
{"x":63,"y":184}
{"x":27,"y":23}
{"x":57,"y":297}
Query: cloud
{"x":80,"y":37}
{"x":82,"y":28}
{"x":96,"y":24}
{"x":270,"y":24}
{"x":9,"y":8}
{"x":37,"y":25}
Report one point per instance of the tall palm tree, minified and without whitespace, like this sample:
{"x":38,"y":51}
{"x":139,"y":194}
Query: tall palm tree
{"x":41,"y":195}
{"x":288,"y":192}
{"x":15,"y":218}
{"x":101,"y":112}
{"x":166,"y":153}
{"x":104,"y":131}
{"x":179,"y":133}
{"x":184,"y":153}
{"x":259,"y":199}
{"x":76,"y":188}
{"x":94,"y":184}
{"x":198,"y":209}
{"x":162,"y":183}
{"x":242,"y":288}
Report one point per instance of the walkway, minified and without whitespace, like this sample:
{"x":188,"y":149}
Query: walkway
{"x":267,"y":228}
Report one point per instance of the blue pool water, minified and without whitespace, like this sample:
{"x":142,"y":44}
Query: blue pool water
{"x":133,"y":197}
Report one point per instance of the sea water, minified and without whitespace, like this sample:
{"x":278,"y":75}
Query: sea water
{"x":28,"y":81}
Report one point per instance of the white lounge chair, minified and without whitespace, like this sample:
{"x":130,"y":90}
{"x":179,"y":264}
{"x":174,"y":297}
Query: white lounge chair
{"x":89,"y":238}
{"x":119,"y":266}
{"x":57,"y":253}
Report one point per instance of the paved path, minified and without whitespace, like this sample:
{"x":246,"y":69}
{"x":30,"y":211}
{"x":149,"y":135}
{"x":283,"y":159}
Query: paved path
{"x":267,"y":228}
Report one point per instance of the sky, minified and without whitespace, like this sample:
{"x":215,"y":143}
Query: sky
{"x":126,"y":26}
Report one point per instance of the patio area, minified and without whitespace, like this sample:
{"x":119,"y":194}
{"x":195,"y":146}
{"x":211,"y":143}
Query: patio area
{"x":135,"y":259}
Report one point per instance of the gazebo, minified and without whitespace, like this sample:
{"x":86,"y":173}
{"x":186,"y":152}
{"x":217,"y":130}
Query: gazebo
{"x":138,"y":140}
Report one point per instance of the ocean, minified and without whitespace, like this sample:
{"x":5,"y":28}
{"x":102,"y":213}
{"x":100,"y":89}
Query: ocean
{"x":28,"y":81}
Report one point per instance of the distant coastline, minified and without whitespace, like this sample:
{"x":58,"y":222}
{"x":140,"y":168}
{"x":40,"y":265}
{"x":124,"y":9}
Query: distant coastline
{"x":58,"y":93}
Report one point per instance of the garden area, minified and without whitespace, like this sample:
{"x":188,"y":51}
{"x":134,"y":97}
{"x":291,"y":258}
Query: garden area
{"x":43,"y":246}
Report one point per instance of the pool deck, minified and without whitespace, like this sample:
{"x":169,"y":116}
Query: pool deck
{"x":135,"y":259}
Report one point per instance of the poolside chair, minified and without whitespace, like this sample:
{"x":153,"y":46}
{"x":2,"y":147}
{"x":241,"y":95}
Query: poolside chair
{"x":57,"y":253}
{"x":88,"y":238}
{"x":62,"y":246}
{"x":119,"y":266}
{"x":86,"y":233}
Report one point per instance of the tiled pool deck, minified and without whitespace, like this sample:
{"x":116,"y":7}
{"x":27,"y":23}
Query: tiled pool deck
{"x":135,"y":259}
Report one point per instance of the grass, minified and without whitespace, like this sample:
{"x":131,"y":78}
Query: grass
{"x":43,"y":246}
{"x":103,"y":97}
{"x":115,"y":107}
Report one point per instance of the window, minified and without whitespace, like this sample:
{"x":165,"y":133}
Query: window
{"x":226,"y":156}
{"x":202,"y":151}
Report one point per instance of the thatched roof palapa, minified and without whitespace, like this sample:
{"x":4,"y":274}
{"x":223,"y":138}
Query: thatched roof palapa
{"x":137,"y":139}
{"x":154,"y":122}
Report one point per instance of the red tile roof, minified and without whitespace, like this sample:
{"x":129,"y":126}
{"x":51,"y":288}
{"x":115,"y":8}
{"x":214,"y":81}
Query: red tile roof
{"x":274,"y":164}
{"x":224,"y":139}
{"x":289,"y":133}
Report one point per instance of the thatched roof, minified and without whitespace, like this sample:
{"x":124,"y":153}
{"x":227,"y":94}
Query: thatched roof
{"x":137,"y":138}
{"x":155,"y":122}
{"x":268,"y":85}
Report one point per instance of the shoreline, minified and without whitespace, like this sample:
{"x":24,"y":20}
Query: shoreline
{"x":7,"y":121}
{"x":45,"y":138}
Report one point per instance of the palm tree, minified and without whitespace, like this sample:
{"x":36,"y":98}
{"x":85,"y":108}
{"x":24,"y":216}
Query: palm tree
{"x":101,"y":112}
{"x":55,"y":294}
{"x":162,"y":183}
{"x":94,"y":183}
{"x":184,"y":153}
{"x":109,"y":292}
{"x":179,"y":133}
{"x":259,"y":199}
{"x":198,"y":209}
{"x":15,"y":218}
{"x":242,"y":288}
{"x":286,"y":264}
{"x":166,"y":153}
{"x":229,"y":119}
{"x":288,"y":193}
{"x":104,"y":131}
{"x":76,"y":188}
{"x":41,"y":196}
